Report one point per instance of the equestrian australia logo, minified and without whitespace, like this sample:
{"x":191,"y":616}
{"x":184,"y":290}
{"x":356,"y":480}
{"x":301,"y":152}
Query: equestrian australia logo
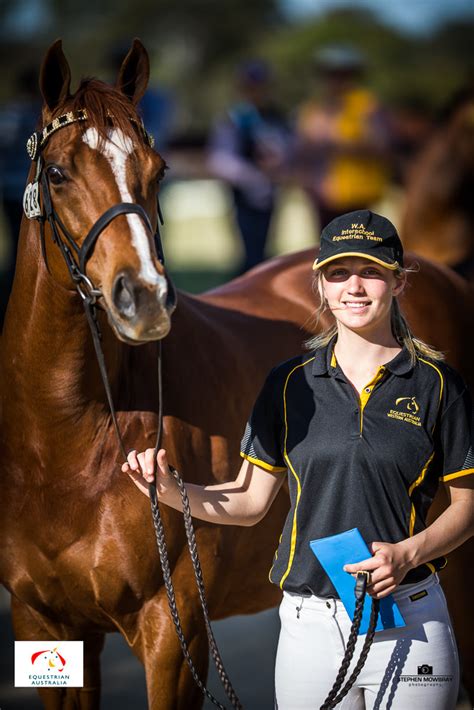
{"x":49,"y":663}
{"x":407,"y":411}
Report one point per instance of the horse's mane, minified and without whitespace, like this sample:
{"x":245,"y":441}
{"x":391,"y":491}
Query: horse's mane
{"x":105,"y":106}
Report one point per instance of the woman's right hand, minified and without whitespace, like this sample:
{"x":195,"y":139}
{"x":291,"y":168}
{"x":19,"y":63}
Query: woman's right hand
{"x":139,"y":466}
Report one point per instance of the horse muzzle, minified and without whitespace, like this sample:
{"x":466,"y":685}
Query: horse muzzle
{"x":140,"y":312}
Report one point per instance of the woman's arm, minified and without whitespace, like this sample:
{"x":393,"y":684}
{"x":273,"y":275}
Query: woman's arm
{"x":391,"y":562}
{"x":244,"y":501}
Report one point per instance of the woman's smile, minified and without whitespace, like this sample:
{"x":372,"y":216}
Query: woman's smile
{"x":357,"y":305}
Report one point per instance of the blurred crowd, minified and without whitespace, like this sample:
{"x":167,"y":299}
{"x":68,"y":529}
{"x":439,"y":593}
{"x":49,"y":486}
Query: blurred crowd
{"x":340,"y":145}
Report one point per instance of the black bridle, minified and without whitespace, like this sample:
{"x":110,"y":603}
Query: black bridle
{"x":77,"y":264}
{"x":76,"y":259}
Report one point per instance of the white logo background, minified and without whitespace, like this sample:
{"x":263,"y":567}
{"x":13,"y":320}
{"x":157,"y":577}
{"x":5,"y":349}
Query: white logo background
{"x":61,"y":664}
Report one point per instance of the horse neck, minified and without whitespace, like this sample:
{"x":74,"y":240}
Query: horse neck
{"x":49,"y":363}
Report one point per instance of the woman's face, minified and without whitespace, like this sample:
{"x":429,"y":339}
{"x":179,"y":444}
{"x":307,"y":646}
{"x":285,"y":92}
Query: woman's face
{"x":359,"y":292}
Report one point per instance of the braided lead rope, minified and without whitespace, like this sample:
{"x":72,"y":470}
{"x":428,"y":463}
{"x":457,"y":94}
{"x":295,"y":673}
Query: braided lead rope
{"x":167,"y":580}
{"x":374,"y":612}
{"x":89,"y":298}
{"x":165,"y":566}
{"x":159,"y":529}
{"x":334,"y":696}
{"x":200,"y":585}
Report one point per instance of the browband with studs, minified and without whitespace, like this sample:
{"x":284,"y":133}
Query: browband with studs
{"x":38,"y":139}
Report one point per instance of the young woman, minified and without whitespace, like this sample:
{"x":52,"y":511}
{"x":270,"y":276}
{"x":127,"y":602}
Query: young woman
{"x":365,"y":427}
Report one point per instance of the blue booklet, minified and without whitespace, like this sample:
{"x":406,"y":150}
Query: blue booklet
{"x":349,"y":548}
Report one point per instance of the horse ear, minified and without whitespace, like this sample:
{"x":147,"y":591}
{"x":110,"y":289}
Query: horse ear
{"x":135,"y":72}
{"x":55,"y":76}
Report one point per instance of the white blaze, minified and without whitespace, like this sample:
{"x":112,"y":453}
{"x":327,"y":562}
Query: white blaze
{"x":116,"y":150}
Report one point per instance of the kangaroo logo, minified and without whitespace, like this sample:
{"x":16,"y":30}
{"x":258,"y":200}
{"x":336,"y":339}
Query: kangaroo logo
{"x":412,"y":405}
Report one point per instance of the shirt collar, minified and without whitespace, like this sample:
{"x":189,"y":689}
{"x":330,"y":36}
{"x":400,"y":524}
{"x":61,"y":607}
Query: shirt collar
{"x":324,"y":363}
{"x":401,"y":363}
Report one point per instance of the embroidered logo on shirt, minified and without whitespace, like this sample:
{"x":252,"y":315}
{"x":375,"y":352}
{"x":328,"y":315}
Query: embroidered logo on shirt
{"x":407,"y":412}
{"x":412,"y":405}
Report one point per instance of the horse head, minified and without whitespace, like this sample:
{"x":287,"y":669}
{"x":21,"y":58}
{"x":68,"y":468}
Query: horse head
{"x":98,"y":177}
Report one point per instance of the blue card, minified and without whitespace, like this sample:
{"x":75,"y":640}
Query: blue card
{"x":349,"y":548}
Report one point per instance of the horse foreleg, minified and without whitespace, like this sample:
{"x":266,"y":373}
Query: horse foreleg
{"x":30,"y":625}
{"x":168,"y":679}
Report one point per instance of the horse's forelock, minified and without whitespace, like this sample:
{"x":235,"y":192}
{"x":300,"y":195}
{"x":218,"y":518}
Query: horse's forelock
{"x":105,"y":106}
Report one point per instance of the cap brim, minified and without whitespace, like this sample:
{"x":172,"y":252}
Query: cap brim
{"x":392,"y":267}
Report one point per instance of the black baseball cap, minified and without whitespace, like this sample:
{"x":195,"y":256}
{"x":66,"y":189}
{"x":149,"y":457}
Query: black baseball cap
{"x":361,"y":233}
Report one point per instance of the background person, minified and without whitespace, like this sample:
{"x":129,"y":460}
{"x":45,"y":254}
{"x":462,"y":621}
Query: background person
{"x":366,"y":426}
{"x":342,"y":137}
{"x":246,"y":148}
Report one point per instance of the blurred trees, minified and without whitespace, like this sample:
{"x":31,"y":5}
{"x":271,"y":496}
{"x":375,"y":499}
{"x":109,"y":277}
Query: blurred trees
{"x":399,"y":66}
{"x":194,"y":45}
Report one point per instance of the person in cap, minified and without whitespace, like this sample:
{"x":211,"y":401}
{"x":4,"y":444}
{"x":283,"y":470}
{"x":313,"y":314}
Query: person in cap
{"x":343,"y":136}
{"x":364,"y":428}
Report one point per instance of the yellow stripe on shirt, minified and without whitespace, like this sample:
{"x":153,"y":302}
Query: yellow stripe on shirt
{"x":298,"y":483}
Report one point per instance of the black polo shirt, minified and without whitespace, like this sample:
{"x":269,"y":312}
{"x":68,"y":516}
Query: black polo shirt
{"x":373,"y":462}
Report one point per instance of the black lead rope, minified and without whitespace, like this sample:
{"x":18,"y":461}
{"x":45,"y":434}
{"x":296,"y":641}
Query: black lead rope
{"x":89,"y":296}
{"x":165,"y":567}
{"x":335,"y":695}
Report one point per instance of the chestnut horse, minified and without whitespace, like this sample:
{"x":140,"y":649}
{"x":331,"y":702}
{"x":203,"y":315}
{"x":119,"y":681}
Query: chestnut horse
{"x":78,"y":549}
{"x":439,"y":216}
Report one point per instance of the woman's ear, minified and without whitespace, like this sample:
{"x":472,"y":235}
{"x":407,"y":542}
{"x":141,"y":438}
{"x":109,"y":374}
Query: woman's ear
{"x":399,"y":285}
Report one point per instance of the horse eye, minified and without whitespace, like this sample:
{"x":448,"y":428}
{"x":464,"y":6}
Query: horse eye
{"x":162,"y":172}
{"x":55,"y":175}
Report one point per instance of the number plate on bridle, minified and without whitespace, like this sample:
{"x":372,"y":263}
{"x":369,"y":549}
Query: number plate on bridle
{"x":31,"y":200}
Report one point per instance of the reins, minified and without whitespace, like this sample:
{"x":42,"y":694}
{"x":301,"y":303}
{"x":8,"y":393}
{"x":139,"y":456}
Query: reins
{"x":76,"y":258}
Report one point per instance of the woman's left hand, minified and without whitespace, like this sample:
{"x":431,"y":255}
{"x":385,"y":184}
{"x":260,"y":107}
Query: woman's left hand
{"x":388,"y":566}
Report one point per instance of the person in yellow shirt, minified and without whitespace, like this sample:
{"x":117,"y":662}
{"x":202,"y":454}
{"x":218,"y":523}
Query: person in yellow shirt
{"x":343,"y":137}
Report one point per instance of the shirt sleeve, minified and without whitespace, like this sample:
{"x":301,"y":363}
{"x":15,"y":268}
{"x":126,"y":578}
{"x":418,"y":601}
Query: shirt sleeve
{"x":457,"y":438}
{"x":262,"y":440}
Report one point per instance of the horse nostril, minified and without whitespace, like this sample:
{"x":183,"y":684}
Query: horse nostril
{"x":123,"y":296}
